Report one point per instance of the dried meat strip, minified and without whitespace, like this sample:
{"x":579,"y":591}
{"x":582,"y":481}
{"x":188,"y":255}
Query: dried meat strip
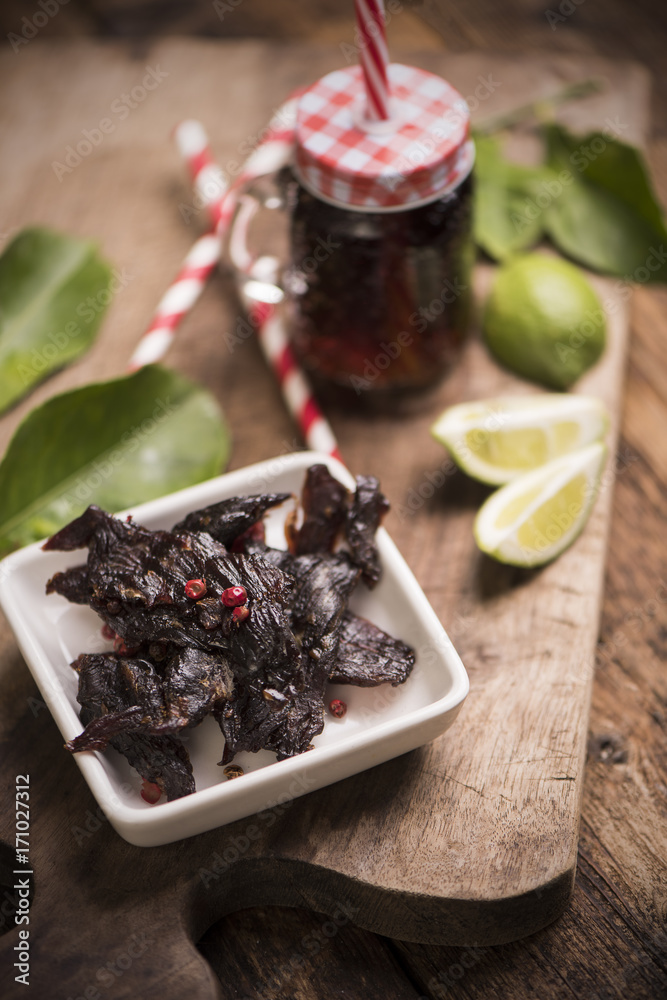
{"x":367,"y":656}
{"x":107,"y":687}
{"x":248,"y":722}
{"x":137,"y":584}
{"x":195,"y":683}
{"x":227,"y":520}
{"x":364,"y":517}
{"x":72,"y":584}
{"x":262,"y":695}
{"x":109,"y":683}
{"x":324,"y":501}
{"x":323,"y":587}
{"x":100,"y":731}
{"x":127,"y":563}
{"x":133,"y":696}
{"x":323,"y":584}
{"x":162,"y":760}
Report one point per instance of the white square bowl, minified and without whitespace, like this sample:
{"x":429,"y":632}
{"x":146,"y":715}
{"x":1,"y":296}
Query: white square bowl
{"x":380,"y":723}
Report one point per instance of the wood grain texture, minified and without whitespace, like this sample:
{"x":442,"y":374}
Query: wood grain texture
{"x":489,"y":851}
{"x":611,"y":942}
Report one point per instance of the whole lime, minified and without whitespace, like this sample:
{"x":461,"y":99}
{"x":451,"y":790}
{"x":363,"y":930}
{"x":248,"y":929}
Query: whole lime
{"x":544,"y":321}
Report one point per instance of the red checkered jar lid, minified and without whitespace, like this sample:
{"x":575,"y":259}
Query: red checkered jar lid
{"x":424,"y":151}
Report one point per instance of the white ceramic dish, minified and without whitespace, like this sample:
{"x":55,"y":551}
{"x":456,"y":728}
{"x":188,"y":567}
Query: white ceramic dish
{"x":381,"y":723}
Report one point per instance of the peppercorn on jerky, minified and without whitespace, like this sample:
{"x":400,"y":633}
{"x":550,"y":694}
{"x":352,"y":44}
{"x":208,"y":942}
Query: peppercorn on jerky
{"x":137,"y":581}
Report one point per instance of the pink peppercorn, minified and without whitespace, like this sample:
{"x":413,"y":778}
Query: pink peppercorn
{"x":194,"y":589}
{"x":234,"y":596}
{"x":150,"y":792}
{"x":121,"y":647}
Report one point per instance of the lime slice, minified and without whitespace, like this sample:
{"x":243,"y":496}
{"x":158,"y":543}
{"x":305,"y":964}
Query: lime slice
{"x":495,"y":440}
{"x":533,"y":519}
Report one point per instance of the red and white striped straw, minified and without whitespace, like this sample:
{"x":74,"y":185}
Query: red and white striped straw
{"x":177,"y":301}
{"x":208,"y":180}
{"x":294,"y":385}
{"x":210,"y":188}
{"x":220,"y":200}
{"x":374,"y":57}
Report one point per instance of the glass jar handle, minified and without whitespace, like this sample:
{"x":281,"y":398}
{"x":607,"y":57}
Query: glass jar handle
{"x":257,"y":274}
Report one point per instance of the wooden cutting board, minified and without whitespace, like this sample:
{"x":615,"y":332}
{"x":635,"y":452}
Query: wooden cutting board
{"x":469,"y":840}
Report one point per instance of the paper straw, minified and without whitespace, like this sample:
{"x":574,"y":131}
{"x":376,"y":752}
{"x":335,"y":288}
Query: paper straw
{"x":296,"y":390}
{"x":373,"y":57}
{"x":210,"y":187}
{"x":220,"y":198}
{"x":208,"y":180}
{"x":177,"y":301}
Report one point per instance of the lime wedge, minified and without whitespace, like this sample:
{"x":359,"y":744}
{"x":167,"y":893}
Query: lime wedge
{"x":533,"y":519}
{"x":495,"y":440}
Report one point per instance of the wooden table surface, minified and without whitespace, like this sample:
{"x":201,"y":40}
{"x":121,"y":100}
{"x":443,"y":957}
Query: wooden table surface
{"x":612,"y":941}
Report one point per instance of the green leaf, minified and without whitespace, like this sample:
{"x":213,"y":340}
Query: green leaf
{"x":115,"y":444}
{"x":606,"y":215}
{"x":508,"y":199}
{"x":53,"y":292}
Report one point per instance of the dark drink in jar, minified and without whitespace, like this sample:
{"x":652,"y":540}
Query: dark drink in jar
{"x":379,"y":301}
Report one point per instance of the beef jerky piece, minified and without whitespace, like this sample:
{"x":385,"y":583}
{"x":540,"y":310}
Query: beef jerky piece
{"x":107,"y":684}
{"x":163,"y":760}
{"x":99,"y":732}
{"x":260,"y":694}
{"x":366,"y":511}
{"x":251,"y":717}
{"x":128,"y":564}
{"x":323,"y":587}
{"x":228,"y":519}
{"x":263,"y":644}
{"x":134,"y":698}
{"x":137,"y":581}
{"x":72,"y":584}
{"x":367,"y":656}
{"x":195,"y":683}
{"x":123,"y":695}
{"x":323,"y":584}
{"x":130,"y":567}
{"x":111,"y":683}
{"x":263,"y":717}
{"x":324,"y":501}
